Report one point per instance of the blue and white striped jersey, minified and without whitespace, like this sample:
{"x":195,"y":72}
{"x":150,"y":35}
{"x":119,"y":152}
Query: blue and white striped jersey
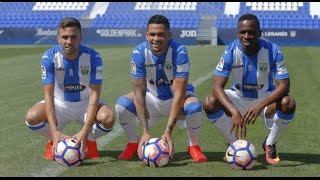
{"x":71,"y":79}
{"x":160,"y":71}
{"x":252,"y":76}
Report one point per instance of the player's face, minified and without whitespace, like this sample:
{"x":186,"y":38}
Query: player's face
{"x":158,"y":37}
{"x":249,"y":34}
{"x":70,"y":38}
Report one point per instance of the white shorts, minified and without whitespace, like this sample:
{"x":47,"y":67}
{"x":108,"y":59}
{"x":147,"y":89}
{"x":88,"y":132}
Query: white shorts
{"x":67,"y":112}
{"x":241,"y":103}
{"x":158,"y":108}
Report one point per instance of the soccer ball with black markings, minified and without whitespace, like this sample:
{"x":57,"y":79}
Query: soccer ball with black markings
{"x":68,"y":154}
{"x":155,"y":153}
{"x":241,"y":155}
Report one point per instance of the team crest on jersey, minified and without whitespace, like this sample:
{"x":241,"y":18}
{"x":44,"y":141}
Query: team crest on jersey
{"x":70,"y":72}
{"x":168,"y":65}
{"x":263,"y":67}
{"x":85,"y":70}
{"x":249,"y":67}
{"x":133,"y":68}
{"x":43,"y":72}
{"x":220,"y":64}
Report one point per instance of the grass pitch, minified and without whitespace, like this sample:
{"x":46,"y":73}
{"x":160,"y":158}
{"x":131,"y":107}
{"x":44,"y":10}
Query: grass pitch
{"x":22,"y":150}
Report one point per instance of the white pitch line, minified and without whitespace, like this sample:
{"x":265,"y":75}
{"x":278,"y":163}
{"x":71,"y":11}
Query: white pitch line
{"x":54,"y":169}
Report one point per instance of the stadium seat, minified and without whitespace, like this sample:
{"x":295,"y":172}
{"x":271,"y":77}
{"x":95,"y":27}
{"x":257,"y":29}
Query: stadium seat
{"x":134,"y":14}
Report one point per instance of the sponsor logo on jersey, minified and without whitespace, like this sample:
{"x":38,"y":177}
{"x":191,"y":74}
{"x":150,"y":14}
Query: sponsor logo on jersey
{"x":135,"y":51}
{"x":99,"y":72}
{"x":237,"y":66}
{"x":161,"y":82}
{"x":133,"y":68}
{"x":43,"y":72}
{"x":150,"y":65}
{"x":59,"y":69}
{"x":249,"y":87}
{"x":74,"y":87}
{"x":183,"y":68}
{"x":281,"y":68}
{"x":164,"y":82}
{"x":182,"y":52}
{"x":220,"y":64}
{"x":85,"y":70}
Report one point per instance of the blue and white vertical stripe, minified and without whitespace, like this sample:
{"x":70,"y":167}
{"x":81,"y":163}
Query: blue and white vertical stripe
{"x":252,"y":76}
{"x":159,"y":71}
{"x":71,"y":77}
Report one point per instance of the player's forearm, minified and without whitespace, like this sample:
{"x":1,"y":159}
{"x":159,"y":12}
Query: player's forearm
{"x":51,"y":117}
{"x":92,"y":108}
{"x":140,"y":90}
{"x":141,"y":109}
{"x":143,"y":122}
{"x":176,"y":107}
{"x":91,"y":117}
{"x":281,"y":90}
{"x":50,"y":108}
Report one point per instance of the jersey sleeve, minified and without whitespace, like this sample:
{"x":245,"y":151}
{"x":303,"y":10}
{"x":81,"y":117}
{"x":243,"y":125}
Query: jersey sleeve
{"x":224,"y":65}
{"x":96,"y":69}
{"x":138,"y":69}
{"x":47,"y":68}
{"x":182,"y":63}
{"x":279,"y":68}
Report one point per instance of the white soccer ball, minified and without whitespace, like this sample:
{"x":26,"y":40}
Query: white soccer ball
{"x":68,"y":154}
{"x":156,"y":153}
{"x":241,"y":155}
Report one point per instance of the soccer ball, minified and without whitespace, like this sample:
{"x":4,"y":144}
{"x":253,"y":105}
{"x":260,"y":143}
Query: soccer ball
{"x":241,"y":155}
{"x":156,"y":153}
{"x":68,"y":154}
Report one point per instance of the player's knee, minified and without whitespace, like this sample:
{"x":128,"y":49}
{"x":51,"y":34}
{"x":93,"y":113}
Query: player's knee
{"x":288,"y":105}
{"x":192,"y":108}
{"x":108,"y":119}
{"x":123,"y":104}
{"x":206,"y":103}
{"x":32,"y":118}
{"x":210,"y":104}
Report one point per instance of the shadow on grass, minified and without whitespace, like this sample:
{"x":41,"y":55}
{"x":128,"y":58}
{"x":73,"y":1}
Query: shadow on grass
{"x":287,"y":159}
{"x":183,"y":159}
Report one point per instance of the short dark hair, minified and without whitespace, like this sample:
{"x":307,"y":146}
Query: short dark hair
{"x":159,"y":19}
{"x":249,"y":17}
{"x":68,"y":21}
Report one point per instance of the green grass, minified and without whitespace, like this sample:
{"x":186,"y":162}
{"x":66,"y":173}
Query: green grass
{"x":22,"y":150}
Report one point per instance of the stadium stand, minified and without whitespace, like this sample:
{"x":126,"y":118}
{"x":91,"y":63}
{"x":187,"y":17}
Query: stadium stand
{"x":275,"y":15}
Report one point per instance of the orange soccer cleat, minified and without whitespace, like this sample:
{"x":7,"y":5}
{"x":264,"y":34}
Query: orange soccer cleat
{"x":196,"y":154}
{"x":92,"y":150}
{"x":48,"y":153}
{"x":271,"y":153}
{"x":129,"y":151}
